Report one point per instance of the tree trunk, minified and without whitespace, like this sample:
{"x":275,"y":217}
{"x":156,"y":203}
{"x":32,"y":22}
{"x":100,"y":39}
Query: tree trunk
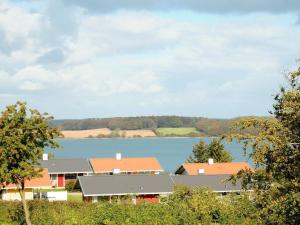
{"x":25,"y":207}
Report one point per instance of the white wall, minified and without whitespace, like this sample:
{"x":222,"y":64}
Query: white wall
{"x":57,"y":195}
{"x":13,"y":195}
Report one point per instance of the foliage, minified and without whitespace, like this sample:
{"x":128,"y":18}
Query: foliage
{"x":215,"y":150}
{"x":276,"y":154}
{"x":185,"y":206}
{"x":23,"y":136}
{"x":183,"y":131}
{"x":70,"y":185}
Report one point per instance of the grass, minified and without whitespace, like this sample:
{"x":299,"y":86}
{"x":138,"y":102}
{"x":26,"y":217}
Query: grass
{"x":182,"y":131}
{"x":74,"y":197}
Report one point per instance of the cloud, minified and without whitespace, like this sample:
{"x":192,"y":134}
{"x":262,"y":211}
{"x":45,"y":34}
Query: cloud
{"x":218,"y":7}
{"x":50,"y":57}
{"x":74,"y":63}
{"x":31,"y":86}
{"x":203,"y":6}
{"x":8,"y":17}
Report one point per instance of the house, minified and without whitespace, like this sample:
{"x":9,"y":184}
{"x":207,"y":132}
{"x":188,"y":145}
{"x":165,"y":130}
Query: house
{"x":10,"y":192}
{"x":147,"y":188}
{"x":121,"y":165}
{"x":211,"y":168}
{"x":63,"y":170}
{"x":139,"y":188}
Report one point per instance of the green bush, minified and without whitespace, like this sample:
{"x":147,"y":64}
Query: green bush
{"x":185,"y":206}
{"x":70,"y":185}
{"x":11,"y":213}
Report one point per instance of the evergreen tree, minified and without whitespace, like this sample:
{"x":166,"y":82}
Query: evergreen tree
{"x":215,"y":150}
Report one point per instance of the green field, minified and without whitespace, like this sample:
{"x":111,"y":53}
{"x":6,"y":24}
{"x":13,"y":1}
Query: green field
{"x":182,"y":131}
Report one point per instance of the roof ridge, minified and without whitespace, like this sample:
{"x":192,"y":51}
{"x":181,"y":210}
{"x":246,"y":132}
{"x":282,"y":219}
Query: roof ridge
{"x":127,"y":158}
{"x":123,"y":175}
{"x":216,"y":163}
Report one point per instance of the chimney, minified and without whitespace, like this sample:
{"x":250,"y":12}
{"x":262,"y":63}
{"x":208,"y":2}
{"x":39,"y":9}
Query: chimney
{"x":118,"y":156}
{"x":210,"y":161}
{"x":45,"y":156}
{"x":116,"y":171}
{"x":201,"y":171}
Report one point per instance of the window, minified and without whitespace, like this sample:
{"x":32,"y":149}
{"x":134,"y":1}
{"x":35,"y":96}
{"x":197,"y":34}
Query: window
{"x":71,"y":176}
{"x":53,"y":176}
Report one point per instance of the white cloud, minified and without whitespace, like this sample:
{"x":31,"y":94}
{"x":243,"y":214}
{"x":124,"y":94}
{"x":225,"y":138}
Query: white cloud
{"x":144,"y":62}
{"x":16,"y":22}
{"x":31,"y":86}
{"x":36,"y":73}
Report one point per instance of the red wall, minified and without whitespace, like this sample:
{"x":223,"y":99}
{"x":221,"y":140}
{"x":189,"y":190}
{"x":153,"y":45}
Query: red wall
{"x":147,"y":198}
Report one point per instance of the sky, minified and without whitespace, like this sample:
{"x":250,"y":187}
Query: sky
{"x":87,"y":59}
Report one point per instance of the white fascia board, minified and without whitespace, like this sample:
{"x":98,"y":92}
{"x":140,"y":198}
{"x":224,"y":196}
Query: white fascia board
{"x":124,"y":194}
{"x":129,"y":171}
{"x":231,"y":191}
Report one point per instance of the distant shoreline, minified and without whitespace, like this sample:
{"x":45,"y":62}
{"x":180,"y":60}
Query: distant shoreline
{"x":102,"y":133}
{"x":107,"y":133}
{"x":124,"y":138}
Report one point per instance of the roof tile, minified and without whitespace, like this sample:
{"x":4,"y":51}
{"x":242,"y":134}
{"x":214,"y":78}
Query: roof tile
{"x":216,"y":168}
{"x":38,"y":182}
{"x":106,"y":165}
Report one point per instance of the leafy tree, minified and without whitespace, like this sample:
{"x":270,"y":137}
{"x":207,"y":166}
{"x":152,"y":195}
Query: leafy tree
{"x":24,"y":133}
{"x":202,"y":152}
{"x":276,"y":154}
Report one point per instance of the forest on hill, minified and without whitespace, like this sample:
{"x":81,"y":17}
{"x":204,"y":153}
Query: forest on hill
{"x":205,"y":126}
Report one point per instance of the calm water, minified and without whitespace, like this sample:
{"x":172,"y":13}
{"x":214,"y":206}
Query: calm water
{"x":171,"y":152}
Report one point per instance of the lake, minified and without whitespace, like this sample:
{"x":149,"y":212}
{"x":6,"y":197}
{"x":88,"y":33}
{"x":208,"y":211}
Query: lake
{"x":171,"y":152}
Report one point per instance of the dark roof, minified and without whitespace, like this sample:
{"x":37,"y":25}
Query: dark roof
{"x":67,"y":166}
{"x":102,"y":185}
{"x":217,"y":183}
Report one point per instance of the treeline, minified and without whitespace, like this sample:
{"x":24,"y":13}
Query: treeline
{"x":128,"y":123}
{"x":206,"y":126}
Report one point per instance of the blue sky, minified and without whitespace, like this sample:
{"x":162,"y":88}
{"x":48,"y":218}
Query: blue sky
{"x":93,"y":58}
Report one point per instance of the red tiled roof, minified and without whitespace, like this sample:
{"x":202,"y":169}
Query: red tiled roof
{"x":106,"y":165}
{"x":38,"y":182}
{"x":215,"y":168}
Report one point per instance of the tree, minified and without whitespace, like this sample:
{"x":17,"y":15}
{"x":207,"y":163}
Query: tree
{"x":202,"y":152}
{"x":276,"y":154}
{"x":24,"y":133}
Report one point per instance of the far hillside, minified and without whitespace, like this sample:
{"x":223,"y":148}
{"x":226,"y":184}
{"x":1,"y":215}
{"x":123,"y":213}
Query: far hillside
{"x":190,"y":126}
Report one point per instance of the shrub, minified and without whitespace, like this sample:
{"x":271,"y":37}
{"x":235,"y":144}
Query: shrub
{"x":185,"y":206}
{"x":70,"y":185}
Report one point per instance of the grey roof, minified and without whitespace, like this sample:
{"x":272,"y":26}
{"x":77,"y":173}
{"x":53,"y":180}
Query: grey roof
{"x":102,"y":185}
{"x":217,"y":183}
{"x":67,"y":166}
